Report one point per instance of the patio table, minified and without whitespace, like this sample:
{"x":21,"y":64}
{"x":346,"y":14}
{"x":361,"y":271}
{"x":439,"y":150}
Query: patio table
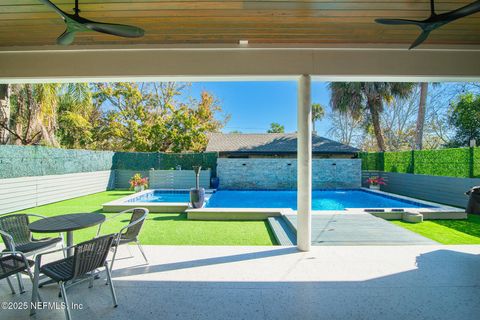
{"x":67,"y":223}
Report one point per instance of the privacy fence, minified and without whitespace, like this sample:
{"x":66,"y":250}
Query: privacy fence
{"x":459,"y":162}
{"x":441,"y":175}
{"x":35,"y":175}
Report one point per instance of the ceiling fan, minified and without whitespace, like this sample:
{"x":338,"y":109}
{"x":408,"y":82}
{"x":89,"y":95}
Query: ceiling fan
{"x":75,"y":24}
{"x":435,"y":21}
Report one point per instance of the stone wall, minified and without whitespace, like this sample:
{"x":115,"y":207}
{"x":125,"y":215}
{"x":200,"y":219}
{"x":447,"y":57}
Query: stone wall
{"x":282,"y":173}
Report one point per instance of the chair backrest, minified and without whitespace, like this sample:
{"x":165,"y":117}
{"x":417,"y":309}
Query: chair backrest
{"x":133,"y":231}
{"x":91,"y":254}
{"x":15,"y":225}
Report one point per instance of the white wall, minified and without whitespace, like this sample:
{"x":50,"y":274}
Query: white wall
{"x":26,"y":192}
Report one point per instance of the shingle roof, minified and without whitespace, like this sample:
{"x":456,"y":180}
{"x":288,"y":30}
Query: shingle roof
{"x":271,"y":143}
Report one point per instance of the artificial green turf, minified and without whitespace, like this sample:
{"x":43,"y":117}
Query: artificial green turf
{"x":163,"y":228}
{"x":447,"y":231}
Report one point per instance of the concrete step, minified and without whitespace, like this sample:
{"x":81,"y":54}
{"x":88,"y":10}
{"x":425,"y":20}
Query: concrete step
{"x":282,"y":231}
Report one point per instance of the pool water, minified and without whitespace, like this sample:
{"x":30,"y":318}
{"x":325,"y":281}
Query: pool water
{"x":321,"y":200}
{"x":163,"y":196}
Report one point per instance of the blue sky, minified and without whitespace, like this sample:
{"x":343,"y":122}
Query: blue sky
{"x":254,"y":105}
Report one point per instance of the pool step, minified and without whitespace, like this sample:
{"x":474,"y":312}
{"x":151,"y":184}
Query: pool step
{"x":282,"y":231}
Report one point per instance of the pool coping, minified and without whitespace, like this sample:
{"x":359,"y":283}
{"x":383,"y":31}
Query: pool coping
{"x":435,"y":210}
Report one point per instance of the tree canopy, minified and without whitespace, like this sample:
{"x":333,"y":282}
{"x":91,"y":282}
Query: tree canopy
{"x":120,"y":116}
{"x":464,"y":116}
{"x":276,"y":128}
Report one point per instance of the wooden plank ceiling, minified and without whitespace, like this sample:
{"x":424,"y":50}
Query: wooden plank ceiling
{"x":30,"y":23}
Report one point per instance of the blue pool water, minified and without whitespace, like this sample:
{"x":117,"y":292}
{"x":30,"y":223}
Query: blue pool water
{"x":163,"y":196}
{"x":321,"y":200}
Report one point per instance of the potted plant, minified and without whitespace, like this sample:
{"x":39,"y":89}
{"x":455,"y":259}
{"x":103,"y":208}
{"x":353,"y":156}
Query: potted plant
{"x":197,"y":194}
{"x":375,"y":182}
{"x":138,"y":183}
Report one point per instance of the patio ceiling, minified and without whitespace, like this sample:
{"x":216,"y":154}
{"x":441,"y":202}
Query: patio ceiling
{"x":317,"y":22}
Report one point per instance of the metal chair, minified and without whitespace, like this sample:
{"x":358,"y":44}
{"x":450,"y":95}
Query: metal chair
{"x":87,"y":258}
{"x":130,"y":232}
{"x":18,"y":238}
{"x":14,"y":263}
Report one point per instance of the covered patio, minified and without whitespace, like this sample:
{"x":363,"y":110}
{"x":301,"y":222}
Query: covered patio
{"x":245,"y":41}
{"x":211,"y":282}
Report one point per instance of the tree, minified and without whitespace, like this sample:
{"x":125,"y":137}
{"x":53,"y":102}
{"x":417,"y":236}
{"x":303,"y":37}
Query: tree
{"x":318,"y":112}
{"x":345,"y":128}
{"x":367,"y":98}
{"x":33,"y":114}
{"x":464,"y":115}
{"x":421,"y":115}
{"x":151,"y":117}
{"x":78,"y":119}
{"x":276,"y":128}
{"x":4,"y":113}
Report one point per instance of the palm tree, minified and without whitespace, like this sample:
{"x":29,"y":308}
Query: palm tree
{"x":318,"y":112}
{"x":367,"y":97}
{"x":421,"y":115}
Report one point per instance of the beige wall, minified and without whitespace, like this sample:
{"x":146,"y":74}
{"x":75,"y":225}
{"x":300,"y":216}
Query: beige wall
{"x":148,"y":63}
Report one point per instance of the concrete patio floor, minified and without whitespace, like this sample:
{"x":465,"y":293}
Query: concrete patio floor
{"x":330,"y":282}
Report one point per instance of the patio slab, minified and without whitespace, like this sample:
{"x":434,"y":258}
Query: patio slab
{"x":349,"y":282}
{"x":340,"y":229}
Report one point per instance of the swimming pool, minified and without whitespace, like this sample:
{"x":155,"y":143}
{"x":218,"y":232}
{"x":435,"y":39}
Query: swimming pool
{"x":321,"y":200}
{"x":162,"y":196}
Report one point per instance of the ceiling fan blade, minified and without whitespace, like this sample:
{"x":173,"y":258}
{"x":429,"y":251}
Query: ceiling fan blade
{"x":464,"y":11}
{"x":66,"y":38}
{"x":54,"y":7}
{"x":422,"y":37}
{"x":399,"y":22}
{"x":121,"y":30}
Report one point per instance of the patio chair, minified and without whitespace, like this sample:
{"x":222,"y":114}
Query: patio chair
{"x":18,"y":238}
{"x":87,"y":258}
{"x":14,"y":263}
{"x":130,"y":232}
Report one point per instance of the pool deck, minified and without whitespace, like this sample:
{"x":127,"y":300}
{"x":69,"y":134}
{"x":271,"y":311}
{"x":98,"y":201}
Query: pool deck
{"x":360,"y":229}
{"x":276,"y":283}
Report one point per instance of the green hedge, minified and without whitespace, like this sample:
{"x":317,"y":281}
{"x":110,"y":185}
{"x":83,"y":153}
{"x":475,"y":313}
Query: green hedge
{"x":399,"y":162}
{"x":459,"y":162}
{"x":372,"y":160}
{"x":27,"y":161}
{"x":164,"y":161}
{"x":443,"y":162}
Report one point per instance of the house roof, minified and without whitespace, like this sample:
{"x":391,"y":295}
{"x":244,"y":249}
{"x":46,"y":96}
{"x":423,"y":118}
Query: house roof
{"x":271,"y":143}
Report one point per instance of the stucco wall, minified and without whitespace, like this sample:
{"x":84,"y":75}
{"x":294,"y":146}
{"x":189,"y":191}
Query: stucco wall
{"x":282,"y":173}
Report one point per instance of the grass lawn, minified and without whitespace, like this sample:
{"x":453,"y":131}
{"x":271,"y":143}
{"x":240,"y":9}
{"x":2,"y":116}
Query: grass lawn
{"x":447,"y":231}
{"x":163,"y":228}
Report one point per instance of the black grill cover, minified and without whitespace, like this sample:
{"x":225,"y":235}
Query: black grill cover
{"x":473,"y":206}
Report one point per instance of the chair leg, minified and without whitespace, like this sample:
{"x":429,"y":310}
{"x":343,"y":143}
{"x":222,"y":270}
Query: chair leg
{"x":20,"y":283}
{"x":129,"y":251}
{"x":112,"y":289}
{"x":64,"y":296}
{"x":35,"y":296}
{"x":113,"y":257}
{"x":141,"y":250}
{"x":92,"y":277}
{"x":10,"y":285}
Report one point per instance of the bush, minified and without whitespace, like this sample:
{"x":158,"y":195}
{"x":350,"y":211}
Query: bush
{"x":401,"y":161}
{"x":458,"y":162}
{"x":443,"y":162}
{"x":372,"y":160}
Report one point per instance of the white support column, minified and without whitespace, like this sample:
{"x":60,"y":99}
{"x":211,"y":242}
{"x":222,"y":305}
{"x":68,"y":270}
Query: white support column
{"x":304,"y":163}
